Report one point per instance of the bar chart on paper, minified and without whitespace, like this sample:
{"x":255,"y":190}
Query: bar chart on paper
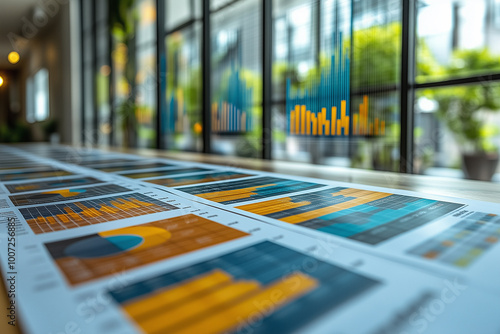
{"x":128,"y":166}
{"x":142,"y":175}
{"x":366,"y":216}
{"x":61,"y":195}
{"x":50,"y":218}
{"x":247,"y":190}
{"x":197,"y":178}
{"x":224,"y":293}
{"x":31,"y":175}
{"x":463,"y":243}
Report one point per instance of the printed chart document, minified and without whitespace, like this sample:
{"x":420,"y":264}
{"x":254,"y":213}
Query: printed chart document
{"x":446,"y":235}
{"x":99,"y":242}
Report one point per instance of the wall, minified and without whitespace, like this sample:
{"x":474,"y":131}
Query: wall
{"x":50,"y":48}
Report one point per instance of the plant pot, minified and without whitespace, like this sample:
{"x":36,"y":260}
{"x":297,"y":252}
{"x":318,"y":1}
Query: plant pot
{"x":480,"y":166}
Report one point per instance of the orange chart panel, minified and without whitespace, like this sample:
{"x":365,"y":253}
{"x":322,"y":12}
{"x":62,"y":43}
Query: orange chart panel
{"x":57,"y":217}
{"x":97,"y":255}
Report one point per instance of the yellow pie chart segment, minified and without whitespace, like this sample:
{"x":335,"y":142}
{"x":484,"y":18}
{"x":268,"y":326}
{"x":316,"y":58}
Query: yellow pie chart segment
{"x":151,"y":236}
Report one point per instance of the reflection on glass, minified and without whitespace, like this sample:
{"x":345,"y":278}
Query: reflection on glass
{"x":183,"y":125}
{"x":237,"y":79}
{"x":37,"y":96}
{"x":457,"y":38}
{"x":145,"y":74}
{"x":181,"y":12}
{"x":377,"y":43}
{"x":376,"y":49}
{"x":102,"y":75}
{"x":88,"y":79}
{"x":316,"y":62}
{"x":145,"y":96}
{"x":134,"y":72}
{"x":454,"y":125}
{"x":377,"y":146}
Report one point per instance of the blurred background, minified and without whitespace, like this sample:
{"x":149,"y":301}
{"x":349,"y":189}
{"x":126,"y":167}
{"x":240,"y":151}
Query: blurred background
{"x":408,"y":86}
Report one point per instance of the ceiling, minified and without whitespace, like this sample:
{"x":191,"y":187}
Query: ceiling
{"x":14,"y":14}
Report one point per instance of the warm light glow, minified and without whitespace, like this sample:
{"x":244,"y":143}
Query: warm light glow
{"x":1,"y":81}
{"x":105,"y":70}
{"x":106,"y":128}
{"x":13,"y":57}
{"x":198,"y":128}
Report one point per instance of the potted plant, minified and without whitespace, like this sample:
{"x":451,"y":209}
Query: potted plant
{"x":465,"y":109}
{"x":128,"y":121}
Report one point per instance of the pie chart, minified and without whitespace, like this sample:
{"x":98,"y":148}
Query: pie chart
{"x":111,"y":243}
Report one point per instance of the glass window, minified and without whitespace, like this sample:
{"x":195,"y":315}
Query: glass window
{"x":181,"y":12}
{"x":37,"y":97}
{"x":102,"y":74}
{"x":145,"y":97}
{"x":236,"y":111}
{"x":316,"y":62}
{"x":456,"y":123}
{"x":296,"y":50}
{"x":146,"y":25}
{"x":457,"y":38}
{"x":134,"y":74}
{"x":182,"y":127}
{"x":88,"y":16}
{"x":145,"y":74}
{"x":30,"y":103}
{"x":376,"y":68}
{"x":217,"y":4}
{"x":377,"y":43}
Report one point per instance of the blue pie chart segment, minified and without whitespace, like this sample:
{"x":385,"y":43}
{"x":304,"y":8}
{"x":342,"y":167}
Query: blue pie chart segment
{"x":98,"y":246}
{"x":125,"y":242}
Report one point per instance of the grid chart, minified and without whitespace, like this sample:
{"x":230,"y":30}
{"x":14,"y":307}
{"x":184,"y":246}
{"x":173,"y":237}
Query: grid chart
{"x":17,"y":166}
{"x":63,"y":195}
{"x":247,"y":190}
{"x":129,"y":166}
{"x":97,"y":255}
{"x":93,"y":161}
{"x":464,"y":242}
{"x":366,"y":216}
{"x":50,"y":218}
{"x":198,"y":178}
{"x":45,"y":185}
{"x":142,"y":175}
{"x":226,"y":293}
{"x":16,"y":176}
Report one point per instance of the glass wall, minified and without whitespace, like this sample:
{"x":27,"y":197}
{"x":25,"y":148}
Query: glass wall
{"x":236,"y":78}
{"x":88,"y":47}
{"x":457,"y":108}
{"x":376,"y":72}
{"x":336,"y":69}
{"x":182,"y":126}
{"x":102,"y":73}
{"x":146,"y":78}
